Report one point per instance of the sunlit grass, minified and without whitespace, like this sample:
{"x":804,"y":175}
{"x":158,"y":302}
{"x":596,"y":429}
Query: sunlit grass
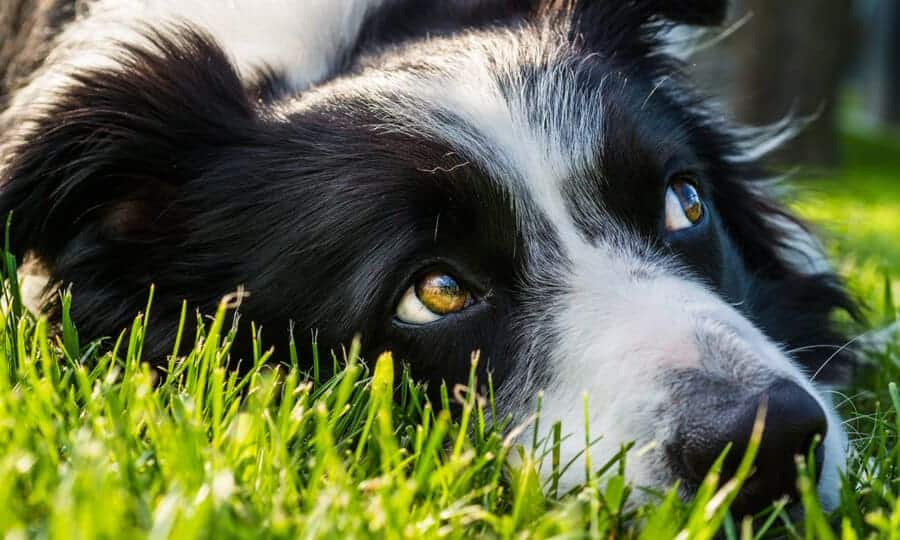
{"x":95,"y":444}
{"x":99,"y":446}
{"x":857,"y":212}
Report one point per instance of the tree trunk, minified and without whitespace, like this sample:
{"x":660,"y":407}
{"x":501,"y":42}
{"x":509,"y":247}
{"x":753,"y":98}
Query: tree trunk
{"x":791,"y":57}
{"x":882,"y":59}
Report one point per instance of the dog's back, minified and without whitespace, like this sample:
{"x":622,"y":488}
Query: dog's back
{"x":27,"y":30}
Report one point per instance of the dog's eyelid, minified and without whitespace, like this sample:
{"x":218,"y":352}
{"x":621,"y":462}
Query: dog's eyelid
{"x":691,"y":175}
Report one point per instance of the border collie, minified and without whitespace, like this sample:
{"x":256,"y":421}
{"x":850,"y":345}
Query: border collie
{"x":532,"y":179}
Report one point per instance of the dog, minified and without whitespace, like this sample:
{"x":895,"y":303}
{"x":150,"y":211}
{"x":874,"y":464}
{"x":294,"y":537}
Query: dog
{"x":536,"y":180}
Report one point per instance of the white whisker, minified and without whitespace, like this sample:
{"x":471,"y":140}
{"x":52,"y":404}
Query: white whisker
{"x":837,"y":352}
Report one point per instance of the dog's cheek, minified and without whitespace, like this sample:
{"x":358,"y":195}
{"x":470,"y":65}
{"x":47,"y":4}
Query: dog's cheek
{"x":623,"y":326}
{"x":599,"y":350}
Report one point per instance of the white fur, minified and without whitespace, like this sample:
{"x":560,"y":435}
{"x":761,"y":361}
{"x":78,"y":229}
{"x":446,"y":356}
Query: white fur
{"x":303,"y":39}
{"x":627,"y":316}
{"x":620,"y":333}
{"x":802,"y":250}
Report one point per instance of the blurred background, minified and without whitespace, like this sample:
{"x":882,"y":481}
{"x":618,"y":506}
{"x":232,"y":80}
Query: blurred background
{"x":837,"y":61}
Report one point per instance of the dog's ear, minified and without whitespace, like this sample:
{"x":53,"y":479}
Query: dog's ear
{"x":692,"y":12}
{"x":636,"y":13}
{"x":632,"y":27}
{"x":106,"y":157}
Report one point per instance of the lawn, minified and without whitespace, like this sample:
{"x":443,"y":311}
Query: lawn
{"x":91,"y":446}
{"x":857,"y":212}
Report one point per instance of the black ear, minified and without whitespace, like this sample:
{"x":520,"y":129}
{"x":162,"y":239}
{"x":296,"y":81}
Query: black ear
{"x":106,"y":156}
{"x":692,"y":12}
{"x":629,"y":28}
{"x":641,"y":12}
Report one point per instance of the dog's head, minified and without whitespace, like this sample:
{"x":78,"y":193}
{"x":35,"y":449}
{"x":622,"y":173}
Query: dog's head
{"x":536,"y":182}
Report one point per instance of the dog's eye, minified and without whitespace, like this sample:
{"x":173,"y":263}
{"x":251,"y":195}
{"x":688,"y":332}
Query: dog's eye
{"x":684,"y":208}
{"x":432,"y":297}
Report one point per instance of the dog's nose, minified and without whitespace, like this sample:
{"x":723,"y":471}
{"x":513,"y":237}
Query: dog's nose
{"x":793,"y":421}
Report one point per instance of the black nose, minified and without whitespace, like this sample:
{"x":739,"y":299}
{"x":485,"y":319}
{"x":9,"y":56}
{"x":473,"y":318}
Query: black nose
{"x":793,"y":421}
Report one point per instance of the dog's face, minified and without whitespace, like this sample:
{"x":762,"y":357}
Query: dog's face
{"x":543,"y":189}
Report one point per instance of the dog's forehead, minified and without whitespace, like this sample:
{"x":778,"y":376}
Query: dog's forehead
{"x":530,"y":133}
{"x":527,"y":129}
{"x":540,"y":121}
{"x":526,"y":108}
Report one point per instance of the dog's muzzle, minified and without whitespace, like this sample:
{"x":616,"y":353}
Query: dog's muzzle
{"x":794,"y":423}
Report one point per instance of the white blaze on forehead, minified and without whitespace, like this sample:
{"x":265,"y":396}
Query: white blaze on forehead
{"x":532,"y":158}
{"x":508,"y":101}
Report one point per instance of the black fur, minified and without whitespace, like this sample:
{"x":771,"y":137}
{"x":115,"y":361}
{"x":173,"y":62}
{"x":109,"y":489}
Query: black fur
{"x":169,"y":170}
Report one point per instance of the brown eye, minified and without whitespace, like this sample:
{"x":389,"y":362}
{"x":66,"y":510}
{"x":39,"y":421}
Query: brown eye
{"x":684,"y":208}
{"x":441,"y":293}
{"x":433,"y":296}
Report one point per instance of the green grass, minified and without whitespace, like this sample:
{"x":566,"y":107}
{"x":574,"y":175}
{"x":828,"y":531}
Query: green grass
{"x":95,"y":445}
{"x":857,"y":212}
